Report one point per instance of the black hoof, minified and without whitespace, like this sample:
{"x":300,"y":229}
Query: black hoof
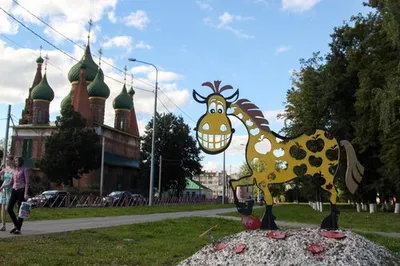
{"x":245,"y":208}
{"x":331,"y":222}
{"x":268,"y":221}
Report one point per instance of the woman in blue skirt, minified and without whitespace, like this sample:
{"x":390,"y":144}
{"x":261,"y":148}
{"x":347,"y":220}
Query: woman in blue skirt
{"x":5,"y":189}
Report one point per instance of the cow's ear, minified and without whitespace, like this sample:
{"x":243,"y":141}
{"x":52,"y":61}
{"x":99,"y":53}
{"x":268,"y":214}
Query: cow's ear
{"x":233,"y":97}
{"x":198,"y":98}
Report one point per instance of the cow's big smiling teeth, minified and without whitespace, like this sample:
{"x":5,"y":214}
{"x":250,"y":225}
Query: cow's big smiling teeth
{"x":213,"y":142}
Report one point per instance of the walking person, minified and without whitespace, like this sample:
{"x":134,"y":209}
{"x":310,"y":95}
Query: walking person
{"x":5,"y":189}
{"x":19,"y":193}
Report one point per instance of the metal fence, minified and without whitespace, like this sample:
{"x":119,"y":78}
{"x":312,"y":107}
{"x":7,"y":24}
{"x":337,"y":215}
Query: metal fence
{"x":70,"y":201}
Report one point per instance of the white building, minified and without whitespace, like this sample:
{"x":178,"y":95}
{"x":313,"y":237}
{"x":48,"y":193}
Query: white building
{"x":214,"y":181}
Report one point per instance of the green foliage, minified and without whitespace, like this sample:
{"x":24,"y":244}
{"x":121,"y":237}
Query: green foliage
{"x":179,"y":150}
{"x":353,"y":91}
{"x":72,"y":151}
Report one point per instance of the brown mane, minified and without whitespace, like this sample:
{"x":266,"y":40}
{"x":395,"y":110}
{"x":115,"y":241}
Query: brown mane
{"x":215,"y":87}
{"x":254,"y":113}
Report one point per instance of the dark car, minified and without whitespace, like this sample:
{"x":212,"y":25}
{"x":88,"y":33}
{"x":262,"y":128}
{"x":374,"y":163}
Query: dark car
{"x":49,"y":198}
{"x":120,"y":198}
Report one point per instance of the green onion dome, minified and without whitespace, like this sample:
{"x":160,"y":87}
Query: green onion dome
{"x":43,"y":91}
{"x":123,"y":101}
{"x":98,"y":88}
{"x":91,"y":67}
{"x":39,"y":60}
{"x":66,"y":101}
{"x":131,"y":91}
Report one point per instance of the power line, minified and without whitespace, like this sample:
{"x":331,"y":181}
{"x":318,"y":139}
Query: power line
{"x":52,"y":45}
{"x":73,"y":58}
{"x":177,"y":106}
{"x":72,"y":41}
{"x":10,"y":40}
{"x":83,"y":48}
{"x":163,"y":105}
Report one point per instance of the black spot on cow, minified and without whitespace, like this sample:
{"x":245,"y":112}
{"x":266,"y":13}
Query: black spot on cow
{"x":315,"y":145}
{"x":332,"y":153}
{"x":333,"y":169}
{"x":319,"y":179}
{"x":329,"y":186}
{"x":297,"y":152}
{"x":315,"y":161}
{"x":300,"y":170}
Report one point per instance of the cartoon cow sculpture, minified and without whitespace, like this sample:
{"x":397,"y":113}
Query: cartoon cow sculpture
{"x":314,"y":155}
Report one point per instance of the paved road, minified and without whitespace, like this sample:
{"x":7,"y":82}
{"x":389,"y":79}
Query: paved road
{"x":66,"y":225}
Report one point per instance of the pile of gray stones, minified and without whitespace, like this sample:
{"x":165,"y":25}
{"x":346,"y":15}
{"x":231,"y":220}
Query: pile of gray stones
{"x":260,"y":249}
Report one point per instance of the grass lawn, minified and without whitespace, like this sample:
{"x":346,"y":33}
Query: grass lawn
{"x":158,"y":243}
{"x":349,"y":217}
{"x":67,"y":213}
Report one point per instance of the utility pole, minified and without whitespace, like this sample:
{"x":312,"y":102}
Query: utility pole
{"x":159,"y":178}
{"x":102,"y":168}
{"x":224,"y":180}
{"x":6,"y":138}
{"x":199,"y":187}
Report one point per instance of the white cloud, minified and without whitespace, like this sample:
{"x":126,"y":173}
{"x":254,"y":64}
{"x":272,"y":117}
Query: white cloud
{"x":274,"y":123}
{"x":142,"y":45}
{"x":151,"y":73}
{"x":282,"y":49}
{"x":138,"y":19}
{"x":111,"y":17}
{"x":203,"y":5}
{"x":20,"y":75}
{"x":68,"y":17}
{"x":299,"y":5}
{"x":7,"y":25}
{"x":225,"y":22}
{"x":211,"y":166}
{"x":122,"y":41}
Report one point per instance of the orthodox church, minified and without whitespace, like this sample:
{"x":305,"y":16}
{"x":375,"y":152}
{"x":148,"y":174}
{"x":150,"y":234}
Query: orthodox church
{"x":88,"y":96}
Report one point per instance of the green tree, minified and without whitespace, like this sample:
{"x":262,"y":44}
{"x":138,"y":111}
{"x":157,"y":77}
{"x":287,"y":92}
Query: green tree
{"x":179,"y":150}
{"x":353,"y":92}
{"x":72,"y":151}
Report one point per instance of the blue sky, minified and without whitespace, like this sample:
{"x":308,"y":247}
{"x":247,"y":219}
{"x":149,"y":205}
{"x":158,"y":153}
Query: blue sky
{"x":252,"y":45}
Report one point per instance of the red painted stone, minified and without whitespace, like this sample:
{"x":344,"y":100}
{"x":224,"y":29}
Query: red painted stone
{"x":221,"y":246}
{"x":277,"y":234}
{"x":240,"y":248}
{"x":335,"y":235}
{"x":251,"y":222}
{"x":315,"y":248}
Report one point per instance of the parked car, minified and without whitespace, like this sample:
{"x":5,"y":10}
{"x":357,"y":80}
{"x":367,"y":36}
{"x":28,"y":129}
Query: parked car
{"x":120,"y":198}
{"x":49,"y":198}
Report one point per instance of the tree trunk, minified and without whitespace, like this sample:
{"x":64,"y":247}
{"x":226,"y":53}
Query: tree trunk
{"x":372,"y":207}
{"x":397,"y":208}
{"x":321,"y":206}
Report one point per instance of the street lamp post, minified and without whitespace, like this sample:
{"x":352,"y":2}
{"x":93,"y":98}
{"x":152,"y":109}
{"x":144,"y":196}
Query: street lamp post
{"x":224,"y":180}
{"x":151,"y":190}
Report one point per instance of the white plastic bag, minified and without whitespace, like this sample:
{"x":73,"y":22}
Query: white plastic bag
{"x":25,"y":210}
